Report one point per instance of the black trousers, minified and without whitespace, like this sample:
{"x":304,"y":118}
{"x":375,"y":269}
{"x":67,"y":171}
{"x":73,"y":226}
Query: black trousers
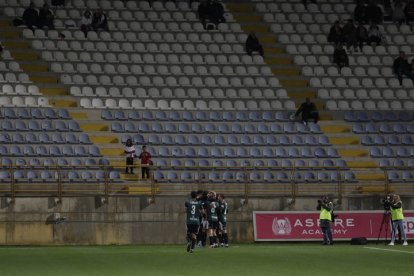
{"x":129,"y":164}
{"x":145,"y":172}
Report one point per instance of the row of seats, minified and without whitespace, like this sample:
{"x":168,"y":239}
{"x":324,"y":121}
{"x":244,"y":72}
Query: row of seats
{"x":360,"y":60}
{"x":246,"y":140}
{"x":382,"y":128}
{"x":23,"y":176}
{"x":44,"y":138}
{"x":20,"y":89}
{"x":369,"y":105}
{"x":18,"y":101}
{"x":227,"y":116}
{"x":259,"y":164}
{"x":354,"y":82}
{"x":179,"y":92}
{"x":256,"y":152}
{"x":187,"y":176}
{"x":166,"y":70}
{"x":378,"y":116}
{"x":405,"y":176}
{"x":35,"y":113}
{"x":41,"y":150}
{"x":396,"y":163}
{"x":370,"y":140}
{"x":12,"y":77}
{"x":214,"y":127}
{"x":49,"y":162}
{"x":375,"y":94}
{"x":39,"y":125}
{"x":187,"y":104}
{"x":298,"y":7}
{"x":357,"y":71}
{"x":392,"y":152}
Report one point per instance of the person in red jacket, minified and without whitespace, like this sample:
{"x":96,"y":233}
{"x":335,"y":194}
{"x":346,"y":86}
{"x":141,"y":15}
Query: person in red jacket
{"x":145,"y":157}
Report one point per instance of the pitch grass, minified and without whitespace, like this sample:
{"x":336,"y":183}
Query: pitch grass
{"x":256,"y":259}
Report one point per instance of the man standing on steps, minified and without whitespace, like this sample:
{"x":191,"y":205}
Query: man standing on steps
{"x":309,"y":111}
{"x":253,"y":44}
{"x":145,"y":157}
{"x":130,"y":153}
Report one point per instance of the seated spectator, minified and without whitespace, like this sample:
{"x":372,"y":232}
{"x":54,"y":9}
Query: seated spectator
{"x":335,"y":33}
{"x":253,"y":44}
{"x":217,"y":12}
{"x":305,"y":2}
{"x":204,"y":12}
{"x":374,"y":13}
{"x":30,"y":16}
{"x":350,"y":35}
{"x":100,"y":21}
{"x":340,"y":57}
{"x":309,"y":111}
{"x":375,"y":35}
{"x":86,"y":22}
{"x":360,"y":13}
{"x":398,"y":14}
{"x":409,"y":12}
{"x":46,"y":17}
{"x":361,"y":35}
{"x":401,"y":67}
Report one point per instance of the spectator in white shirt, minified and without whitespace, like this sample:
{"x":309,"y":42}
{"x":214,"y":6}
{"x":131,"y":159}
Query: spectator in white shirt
{"x":86,"y":22}
{"x":130,"y":154}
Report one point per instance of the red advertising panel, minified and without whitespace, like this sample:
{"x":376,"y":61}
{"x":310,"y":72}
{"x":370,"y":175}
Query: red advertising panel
{"x":297,"y":226}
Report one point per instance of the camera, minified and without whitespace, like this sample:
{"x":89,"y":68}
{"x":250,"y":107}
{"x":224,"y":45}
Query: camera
{"x":387,"y":202}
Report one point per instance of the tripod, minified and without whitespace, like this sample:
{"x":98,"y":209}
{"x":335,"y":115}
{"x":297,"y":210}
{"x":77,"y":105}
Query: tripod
{"x":384,"y":224}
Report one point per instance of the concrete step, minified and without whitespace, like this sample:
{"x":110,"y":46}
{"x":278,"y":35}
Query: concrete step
{"x":353,"y":152}
{"x":362,"y":164}
{"x":370,"y":176}
{"x":27,"y":55}
{"x":336,"y":129}
{"x":63,"y":103}
{"x":94,"y":127}
{"x":273,"y":60}
{"x":264,"y":39}
{"x":43,"y":79}
{"x":286,"y":71}
{"x":241,"y":7}
{"x":344,"y":140}
{"x":112,"y":151}
{"x":7,"y":34}
{"x":34,"y":67}
{"x":16,"y":44}
{"x":54,"y":91}
{"x":133,"y":190}
{"x":375,"y":189}
{"x":258,"y":29}
{"x":104,"y":139}
{"x":294,"y":82}
{"x":5,"y":23}
{"x":79,"y":115}
{"x":301,"y":94}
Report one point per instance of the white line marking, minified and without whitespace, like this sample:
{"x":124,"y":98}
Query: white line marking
{"x":392,"y":250}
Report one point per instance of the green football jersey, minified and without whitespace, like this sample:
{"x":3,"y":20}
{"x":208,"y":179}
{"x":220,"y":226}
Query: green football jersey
{"x":223,"y":212}
{"x":212,"y":210}
{"x":193,"y":208}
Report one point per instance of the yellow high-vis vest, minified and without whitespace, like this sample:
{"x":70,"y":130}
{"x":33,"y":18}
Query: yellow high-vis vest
{"x":325,"y":214}
{"x":397,"y":214}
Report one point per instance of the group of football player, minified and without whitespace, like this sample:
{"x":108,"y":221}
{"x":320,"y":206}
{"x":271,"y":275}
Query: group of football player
{"x":206,"y":217}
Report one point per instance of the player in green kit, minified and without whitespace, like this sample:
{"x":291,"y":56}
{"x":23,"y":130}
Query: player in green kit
{"x":212,"y":218}
{"x":193,"y":209}
{"x":223,"y":209}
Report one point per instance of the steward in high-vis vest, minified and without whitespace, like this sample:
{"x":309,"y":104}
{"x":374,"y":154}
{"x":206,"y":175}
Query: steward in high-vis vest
{"x":397,"y":218}
{"x":325,"y":217}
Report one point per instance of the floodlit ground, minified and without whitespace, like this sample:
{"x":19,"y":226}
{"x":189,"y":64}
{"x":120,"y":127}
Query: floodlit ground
{"x":256,"y":259}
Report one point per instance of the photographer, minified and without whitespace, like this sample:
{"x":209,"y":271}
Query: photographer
{"x":397,"y":218}
{"x":325,"y":207}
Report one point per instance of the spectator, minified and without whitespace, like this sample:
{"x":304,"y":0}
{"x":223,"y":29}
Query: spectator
{"x":411,"y":68}
{"x":398,"y":15}
{"x":145,"y":162}
{"x":203,"y":12}
{"x":375,"y":35}
{"x":253,"y":44}
{"x":374,"y":13}
{"x":217,"y":12}
{"x":361,"y":35}
{"x":401,"y":67}
{"x":350,"y":34}
{"x":30,"y":16}
{"x":340,"y":56}
{"x":130,"y":153}
{"x":86,"y":22}
{"x":360,"y":13}
{"x":100,"y":21}
{"x":409,"y":12}
{"x":335,"y":33}
{"x":309,"y":111}
{"x":305,"y":2}
{"x":46,"y":17}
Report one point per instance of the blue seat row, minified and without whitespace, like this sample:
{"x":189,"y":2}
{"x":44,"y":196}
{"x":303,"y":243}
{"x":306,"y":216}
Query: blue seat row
{"x":233,"y":139}
{"x":392,"y":152}
{"x":34,"y":113}
{"x":66,"y":150}
{"x":160,"y":115}
{"x":44,"y":138}
{"x":145,"y":127}
{"x":52,"y":175}
{"x":364,"y":116}
{"x":370,"y":140}
{"x":253,"y":152}
{"x":88,"y":162}
{"x":396,"y":163}
{"x":386,"y":128}
{"x":267,"y":176}
{"x":39,"y":125}
{"x":400,"y":176}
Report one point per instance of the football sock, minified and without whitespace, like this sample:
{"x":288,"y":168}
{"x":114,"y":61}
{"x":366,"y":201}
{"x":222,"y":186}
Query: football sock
{"x":225,"y":238}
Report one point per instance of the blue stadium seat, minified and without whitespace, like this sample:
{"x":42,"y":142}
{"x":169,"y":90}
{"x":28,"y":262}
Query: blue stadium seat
{"x":407,"y":176}
{"x":73,"y":176}
{"x":268,"y":152}
{"x":407,"y":140}
{"x":187,"y":116}
{"x":5,"y":176}
{"x":183,"y":128}
{"x":37,"y":113}
{"x":276,"y":128}
{"x":68,"y":151}
{"x":228,"y":116}
{"x":175,"y":163}
{"x":245,"y":163}
{"x":236,"y":128}
{"x":84,"y":139}
{"x":154,"y":139}
{"x":297,"y":140}
{"x":245,"y":140}
{"x":255,"y":116}
{"x":218,"y":163}
{"x":351,"y":116}
{"x":28,"y":150}
{"x":323,"y":177}
{"x":271,"y":140}
{"x":120,"y":115}
{"x":5,"y":138}
{"x":172,"y":176}
{"x":255,"y":176}
{"x":370,"y":128}
{"x":203,"y":162}
{"x":240,"y":176}
{"x":272,"y":163}
{"x":35,"y":162}
{"x":228,"y":176}
{"x":100,"y":175}
{"x":210,"y":128}
{"x":23,"y":113}
{"x":268,"y":116}
{"x":20,"y":162}
{"x":309,"y":177}
{"x":320,"y":152}
{"x":91,"y":163}
{"x":21,"y":126}
{"x":64,"y":114}
{"x":259,"y":140}
{"x":15,"y":151}
{"x":19,"y":176}
{"x":358,"y":128}
{"x":398,"y":163}
{"x":229,"y":152}
{"x":143,"y":127}
{"x":206,"y":140}
{"x":313,"y":163}
{"x":394,"y":140}
{"x":328,"y":164}
{"x":289,"y":128}
{"x":44,"y":138}
{"x":255,"y":152}
{"x":282,"y":177}
{"x":405,"y":116}
{"x":190,"y":162}
{"x":232,"y":140}
{"x":6,"y":161}
{"x":215,"y":116}
{"x":186,"y":177}
{"x":394,"y":177}
{"x":167,"y":140}
{"x":388,"y":152}
{"x":134,"y":115}
{"x":147,"y":115}
{"x":10,"y":113}
{"x":223,"y":128}
{"x":203,"y":152}
{"x":7,"y":125}
{"x":62,"y":162}
{"x":281,"y":152}
{"x":250,"y":128}
{"x":75,"y":162}
{"x":242,"y":152}
{"x":162,"y":162}
{"x":220,"y":140}
{"x":56,"y":138}
{"x":80,"y":151}
{"x":315,"y":128}
{"x":311,"y":140}
{"x":401,"y":152}
{"x":385,"y":128}
{"x":201,"y":116}
{"x":61,"y":126}
{"x":398,"y":128}
{"x":3,"y":150}
{"x":216,"y":152}
{"x":349,"y":177}
{"x":138,"y":139}
{"x":177,"y":152}
{"x":114,"y":176}
{"x":197,"y":128}
{"x":175,"y":116}
{"x":377,"y":116}
{"x":74,"y":126}
{"x":299,"y":164}
{"x":375,"y":152}
{"x":193,"y":139}
{"x":294,"y":152}
{"x":323,"y":141}
{"x":170,"y":127}
{"x":130,"y":127}
{"x":263,"y":128}
{"x":50,"y":113}
{"x":71,"y":138}
{"x":34,"y":126}
{"x":284,"y":140}
{"x":333,"y":153}
{"x":282,"y":116}
{"x":55,"y":151}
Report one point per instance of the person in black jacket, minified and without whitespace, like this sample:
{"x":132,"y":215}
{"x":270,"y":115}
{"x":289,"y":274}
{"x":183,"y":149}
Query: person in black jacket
{"x":360,"y":13}
{"x":335,"y":33}
{"x":401,"y":67}
{"x":217,"y":12}
{"x":46,"y":17}
{"x":204,"y":12}
{"x":253,"y":44}
{"x":309,"y":111}
{"x":340,"y":57}
{"x":30,"y":16}
{"x":100,"y":21}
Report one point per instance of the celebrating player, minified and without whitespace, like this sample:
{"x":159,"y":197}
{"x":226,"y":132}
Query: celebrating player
{"x":212,"y":218}
{"x":224,"y":239}
{"x":194,"y":210}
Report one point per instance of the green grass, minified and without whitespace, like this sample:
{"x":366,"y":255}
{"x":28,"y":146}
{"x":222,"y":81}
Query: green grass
{"x":257,"y":260}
